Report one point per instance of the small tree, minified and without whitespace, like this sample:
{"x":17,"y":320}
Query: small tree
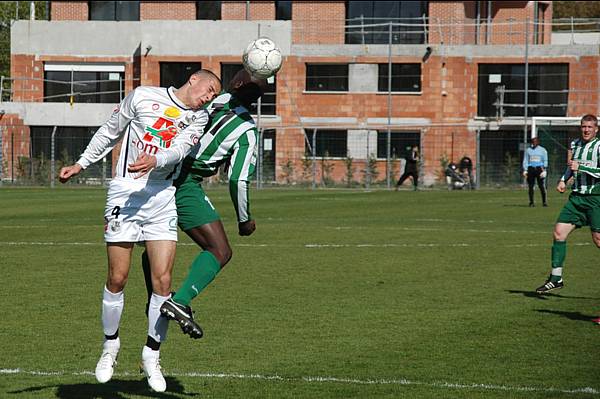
{"x":326,"y":171}
{"x":307,"y":171}
{"x":349,"y":180}
{"x":287,"y":169}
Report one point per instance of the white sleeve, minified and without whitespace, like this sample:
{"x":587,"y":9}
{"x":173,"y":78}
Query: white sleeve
{"x":109,"y":134}
{"x":182,"y":143}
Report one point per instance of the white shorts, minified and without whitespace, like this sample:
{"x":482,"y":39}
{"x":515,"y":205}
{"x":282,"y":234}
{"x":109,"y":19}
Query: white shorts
{"x":140,"y":210}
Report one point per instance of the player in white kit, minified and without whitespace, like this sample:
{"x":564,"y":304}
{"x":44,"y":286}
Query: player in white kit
{"x":149,"y":120}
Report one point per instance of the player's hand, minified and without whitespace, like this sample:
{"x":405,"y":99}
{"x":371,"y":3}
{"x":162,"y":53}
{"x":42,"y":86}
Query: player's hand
{"x":574,"y":165}
{"x":561,"y":187}
{"x":143,"y":165}
{"x":69,"y":171}
{"x":525,"y":173}
{"x":246,"y":228}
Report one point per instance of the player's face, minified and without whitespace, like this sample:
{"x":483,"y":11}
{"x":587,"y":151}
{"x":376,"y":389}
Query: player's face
{"x":202,"y":90}
{"x":588,"y":130}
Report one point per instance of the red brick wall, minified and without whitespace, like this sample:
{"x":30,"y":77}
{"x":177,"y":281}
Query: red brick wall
{"x":318,"y":22}
{"x":15,"y":144}
{"x":69,"y":11}
{"x":167,"y":10}
{"x":236,"y":10}
{"x":26,"y":66}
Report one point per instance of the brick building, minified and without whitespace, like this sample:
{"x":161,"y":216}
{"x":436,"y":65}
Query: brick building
{"x":332,"y":97}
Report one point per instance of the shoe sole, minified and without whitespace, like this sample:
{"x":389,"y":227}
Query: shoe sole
{"x":547,"y":291}
{"x":186,"y":326}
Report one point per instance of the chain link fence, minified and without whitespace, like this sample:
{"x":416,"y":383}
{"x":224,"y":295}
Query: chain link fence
{"x":317,"y":157}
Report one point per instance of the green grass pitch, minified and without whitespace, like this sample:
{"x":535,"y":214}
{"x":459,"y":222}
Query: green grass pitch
{"x":338,"y":294}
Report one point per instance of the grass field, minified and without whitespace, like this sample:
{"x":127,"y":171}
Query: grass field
{"x":338,"y":294}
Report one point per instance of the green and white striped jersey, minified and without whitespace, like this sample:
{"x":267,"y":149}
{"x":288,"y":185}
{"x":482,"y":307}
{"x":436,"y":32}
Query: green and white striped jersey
{"x":586,"y":180}
{"x":230,"y":138}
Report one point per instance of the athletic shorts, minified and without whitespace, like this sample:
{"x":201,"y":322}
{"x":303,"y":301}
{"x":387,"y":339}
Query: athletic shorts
{"x":581,"y":210}
{"x":193,"y":206}
{"x":138,"y":210}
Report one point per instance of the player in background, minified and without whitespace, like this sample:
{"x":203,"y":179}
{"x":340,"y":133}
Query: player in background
{"x":583,"y":206}
{"x":535,"y":165}
{"x":142,"y":210}
{"x":230,"y":139}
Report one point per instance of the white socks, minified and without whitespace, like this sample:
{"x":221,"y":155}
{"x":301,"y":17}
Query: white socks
{"x":112,"y":308}
{"x":157,"y":326}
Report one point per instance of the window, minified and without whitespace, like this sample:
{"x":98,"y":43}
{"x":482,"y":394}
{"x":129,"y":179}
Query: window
{"x":114,"y":10}
{"x":268,"y":99}
{"x":210,"y":10}
{"x":400,"y":143}
{"x":324,"y":77}
{"x":177,"y":73}
{"x":409,"y":15}
{"x":84,"y":83}
{"x":283,"y":10}
{"x":405,"y":77}
{"x":70,"y":142}
{"x":329,"y":143}
{"x":501,"y":90}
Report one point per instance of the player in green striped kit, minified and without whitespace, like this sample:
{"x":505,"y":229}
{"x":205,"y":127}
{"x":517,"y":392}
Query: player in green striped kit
{"x":583,"y":207}
{"x":230,"y":138}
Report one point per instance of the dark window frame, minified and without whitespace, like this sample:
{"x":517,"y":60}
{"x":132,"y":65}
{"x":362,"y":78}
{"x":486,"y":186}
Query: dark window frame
{"x":118,"y":8}
{"x":213,"y":11}
{"x":401,"y":143}
{"x":401,"y":82}
{"x":330,"y":143}
{"x":328,"y":78}
{"x":383,"y":12}
{"x":90,"y":89}
{"x":190,"y":68}
{"x":549,"y":78}
{"x":283,"y":10}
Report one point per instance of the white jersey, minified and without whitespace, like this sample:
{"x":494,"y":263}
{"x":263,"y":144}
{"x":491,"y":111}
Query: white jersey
{"x":150,"y":120}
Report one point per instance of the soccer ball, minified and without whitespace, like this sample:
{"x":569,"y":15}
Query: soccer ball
{"x":262,"y":59}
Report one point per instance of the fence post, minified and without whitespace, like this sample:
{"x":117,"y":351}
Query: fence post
{"x":260,"y":165}
{"x":477,"y":159}
{"x":52,"y":157}
{"x":314,"y":157}
{"x":1,"y":156}
{"x":368,"y":168}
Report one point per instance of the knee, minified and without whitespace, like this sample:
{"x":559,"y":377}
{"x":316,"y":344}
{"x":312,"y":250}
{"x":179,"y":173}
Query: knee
{"x":116,"y":282}
{"x":596,"y":239}
{"x":223,"y":254}
{"x":558,"y":236}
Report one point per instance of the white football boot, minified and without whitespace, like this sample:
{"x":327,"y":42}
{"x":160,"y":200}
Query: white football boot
{"x":151,"y":368}
{"x":108,"y":359}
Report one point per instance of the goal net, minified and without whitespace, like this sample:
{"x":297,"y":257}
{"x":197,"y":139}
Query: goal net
{"x":555,"y":134}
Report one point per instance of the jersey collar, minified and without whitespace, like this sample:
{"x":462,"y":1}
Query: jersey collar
{"x":176,"y":101}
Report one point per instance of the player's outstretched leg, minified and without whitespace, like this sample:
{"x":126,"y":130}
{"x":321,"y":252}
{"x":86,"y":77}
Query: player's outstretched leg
{"x":183,"y":316}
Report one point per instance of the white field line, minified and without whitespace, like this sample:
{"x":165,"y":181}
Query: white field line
{"x":320,"y":379}
{"x":308,"y":245}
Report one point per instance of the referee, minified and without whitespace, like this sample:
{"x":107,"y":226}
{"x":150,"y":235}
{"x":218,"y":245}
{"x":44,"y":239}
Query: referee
{"x":535,"y":163}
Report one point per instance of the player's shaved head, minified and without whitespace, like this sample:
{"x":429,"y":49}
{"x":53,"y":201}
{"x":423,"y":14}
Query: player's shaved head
{"x":206,"y":74}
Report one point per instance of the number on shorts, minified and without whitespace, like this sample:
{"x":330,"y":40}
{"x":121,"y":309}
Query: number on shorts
{"x":209,"y":203}
{"x":116,"y":212}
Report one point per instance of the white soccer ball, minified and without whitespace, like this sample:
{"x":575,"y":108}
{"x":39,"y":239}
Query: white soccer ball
{"x":262,"y":59}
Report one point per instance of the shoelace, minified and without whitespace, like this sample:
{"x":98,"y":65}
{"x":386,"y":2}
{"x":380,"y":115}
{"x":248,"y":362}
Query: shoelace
{"x":107,"y":360}
{"x":155,"y":369}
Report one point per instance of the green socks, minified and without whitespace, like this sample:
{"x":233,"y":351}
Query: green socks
{"x":559,"y":251}
{"x":204,"y":269}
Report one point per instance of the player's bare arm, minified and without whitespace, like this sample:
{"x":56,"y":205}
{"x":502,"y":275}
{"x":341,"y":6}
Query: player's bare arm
{"x":69,"y":171}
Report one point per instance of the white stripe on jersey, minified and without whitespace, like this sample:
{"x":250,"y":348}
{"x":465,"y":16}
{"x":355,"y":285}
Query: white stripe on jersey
{"x":152,"y":119}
